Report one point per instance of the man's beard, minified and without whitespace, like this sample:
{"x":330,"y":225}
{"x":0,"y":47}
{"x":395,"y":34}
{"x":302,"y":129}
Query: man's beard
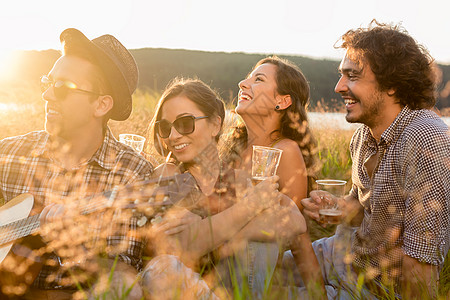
{"x":370,"y":110}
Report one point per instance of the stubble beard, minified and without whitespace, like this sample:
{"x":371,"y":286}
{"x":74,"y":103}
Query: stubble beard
{"x":370,"y":111}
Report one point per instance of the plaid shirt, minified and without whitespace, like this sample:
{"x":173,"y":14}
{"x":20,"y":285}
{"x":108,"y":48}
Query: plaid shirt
{"x":26,"y":166}
{"x":406,"y":202}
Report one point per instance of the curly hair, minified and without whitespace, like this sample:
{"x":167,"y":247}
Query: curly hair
{"x":294,"y":119}
{"x":198,"y":92}
{"x":397,"y":60}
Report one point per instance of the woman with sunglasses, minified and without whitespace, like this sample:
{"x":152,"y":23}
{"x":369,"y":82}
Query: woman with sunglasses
{"x":272,"y":104}
{"x":188,"y":122}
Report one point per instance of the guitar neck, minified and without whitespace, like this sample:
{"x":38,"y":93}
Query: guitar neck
{"x":28,"y":226}
{"x":173,"y":188}
{"x":19,"y":229}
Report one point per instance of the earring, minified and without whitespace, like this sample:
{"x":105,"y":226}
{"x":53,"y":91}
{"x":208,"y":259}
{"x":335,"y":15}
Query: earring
{"x":277,"y":107}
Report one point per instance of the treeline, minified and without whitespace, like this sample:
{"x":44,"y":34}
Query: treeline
{"x":223,"y":71}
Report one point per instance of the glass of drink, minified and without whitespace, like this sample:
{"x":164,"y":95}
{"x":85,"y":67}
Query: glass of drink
{"x":329,"y":212}
{"x":133,"y":140}
{"x":265,"y":161}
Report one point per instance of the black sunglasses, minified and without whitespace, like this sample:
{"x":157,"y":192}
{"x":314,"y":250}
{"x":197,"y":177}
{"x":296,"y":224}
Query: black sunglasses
{"x":61,"y":87}
{"x":184,"y":125}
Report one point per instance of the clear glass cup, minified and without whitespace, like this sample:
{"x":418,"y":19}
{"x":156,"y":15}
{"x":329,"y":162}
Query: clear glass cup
{"x":133,"y":140}
{"x":329,"y":212}
{"x":265,"y":161}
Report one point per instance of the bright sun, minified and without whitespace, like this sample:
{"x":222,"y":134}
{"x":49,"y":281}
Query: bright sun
{"x":5,"y":62}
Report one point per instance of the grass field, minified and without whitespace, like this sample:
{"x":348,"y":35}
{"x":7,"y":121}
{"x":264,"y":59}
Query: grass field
{"x":22,"y":110}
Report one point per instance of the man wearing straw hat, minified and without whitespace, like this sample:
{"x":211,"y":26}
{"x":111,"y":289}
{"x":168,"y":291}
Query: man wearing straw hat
{"x":75,"y":157}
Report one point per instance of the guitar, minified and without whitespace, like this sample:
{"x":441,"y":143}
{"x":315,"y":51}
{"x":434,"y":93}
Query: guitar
{"x":10,"y":213}
{"x":149,"y":197}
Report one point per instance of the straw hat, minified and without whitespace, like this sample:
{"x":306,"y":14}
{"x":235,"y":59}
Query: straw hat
{"x":116,"y":62}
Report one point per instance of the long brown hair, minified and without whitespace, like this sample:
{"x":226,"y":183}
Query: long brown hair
{"x":195,"y":90}
{"x":294,"y":119}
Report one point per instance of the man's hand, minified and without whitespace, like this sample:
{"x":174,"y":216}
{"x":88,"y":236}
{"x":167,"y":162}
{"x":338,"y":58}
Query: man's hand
{"x":51,"y":213}
{"x":352,"y":211}
{"x":312,"y":204}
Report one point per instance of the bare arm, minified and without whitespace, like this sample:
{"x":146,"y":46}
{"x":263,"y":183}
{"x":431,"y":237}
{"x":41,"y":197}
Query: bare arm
{"x":294,"y":183}
{"x":352,"y":210}
{"x":279,"y":223}
{"x":308,"y":266}
{"x":292,"y":172}
{"x":201,"y":237}
{"x":419,"y":280}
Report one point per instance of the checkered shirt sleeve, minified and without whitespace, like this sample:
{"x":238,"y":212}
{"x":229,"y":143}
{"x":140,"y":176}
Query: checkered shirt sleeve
{"x":406,"y":201}
{"x":426,"y":165}
{"x":27,"y":167}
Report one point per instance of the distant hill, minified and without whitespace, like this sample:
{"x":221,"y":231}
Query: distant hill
{"x":223,"y":71}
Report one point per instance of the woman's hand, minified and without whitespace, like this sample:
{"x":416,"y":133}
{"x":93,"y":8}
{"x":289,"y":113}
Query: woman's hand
{"x":175,"y":221}
{"x":168,"y":235}
{"x":263,"y":195}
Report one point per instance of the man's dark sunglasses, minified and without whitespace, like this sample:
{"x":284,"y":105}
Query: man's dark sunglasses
{"x":61,"y":87}
{"x":184,"y":125}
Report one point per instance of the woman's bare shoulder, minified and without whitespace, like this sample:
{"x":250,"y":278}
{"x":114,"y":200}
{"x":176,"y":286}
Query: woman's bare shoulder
{"x":292,"y":156}
{"x":289,"y":146}
{"x":166,"y":169}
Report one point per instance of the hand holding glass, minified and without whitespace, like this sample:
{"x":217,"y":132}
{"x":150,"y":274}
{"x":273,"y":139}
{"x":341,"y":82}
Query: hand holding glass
{"x":265,"y":161}
{"x":329,"y":212}
{"x":133,"y":140}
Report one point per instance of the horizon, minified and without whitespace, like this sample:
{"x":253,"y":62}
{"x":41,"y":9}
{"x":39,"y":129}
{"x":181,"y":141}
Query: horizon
{"x":334,"y":59}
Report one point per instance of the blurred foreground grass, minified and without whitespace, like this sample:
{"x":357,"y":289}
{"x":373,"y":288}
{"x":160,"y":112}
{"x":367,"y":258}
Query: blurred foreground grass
{"x":22,"y":111}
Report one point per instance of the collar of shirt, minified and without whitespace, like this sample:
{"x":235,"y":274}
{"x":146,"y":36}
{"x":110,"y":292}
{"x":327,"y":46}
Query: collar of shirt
{"x":105,"y":156}
{"x":397,"y":127}
{"x":390,"y":134}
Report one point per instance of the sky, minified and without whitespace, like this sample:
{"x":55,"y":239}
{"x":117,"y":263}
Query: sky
{"x":300,"y":27}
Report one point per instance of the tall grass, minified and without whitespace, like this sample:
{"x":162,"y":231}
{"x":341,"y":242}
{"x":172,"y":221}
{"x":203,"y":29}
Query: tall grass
{"x":23,"y":111}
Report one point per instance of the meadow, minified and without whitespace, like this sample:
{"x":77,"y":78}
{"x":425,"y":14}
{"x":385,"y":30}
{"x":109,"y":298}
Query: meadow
{"x":22,"y":110}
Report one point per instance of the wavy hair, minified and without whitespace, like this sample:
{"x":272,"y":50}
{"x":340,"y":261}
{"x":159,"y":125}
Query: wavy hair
{"x":397,"y":60}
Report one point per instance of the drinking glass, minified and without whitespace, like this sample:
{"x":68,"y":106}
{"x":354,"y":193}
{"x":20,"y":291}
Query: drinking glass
{"x":329,"y":212}
{"x":133,"y":140}
{"x":265,"y":161}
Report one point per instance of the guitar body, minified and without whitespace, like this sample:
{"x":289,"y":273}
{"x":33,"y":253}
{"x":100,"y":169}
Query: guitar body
{"x":11,"y":276}
{"x":19,"y":264}
{"x":14,"y":210}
